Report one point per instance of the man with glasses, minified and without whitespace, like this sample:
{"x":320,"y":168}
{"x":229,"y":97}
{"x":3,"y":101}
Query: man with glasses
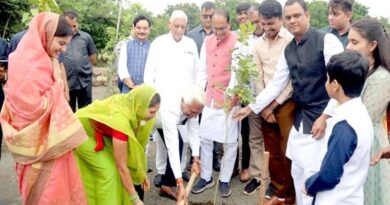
{"x":200,"y":32}
{"x":171,"y":67}
{"x":215,"y":60}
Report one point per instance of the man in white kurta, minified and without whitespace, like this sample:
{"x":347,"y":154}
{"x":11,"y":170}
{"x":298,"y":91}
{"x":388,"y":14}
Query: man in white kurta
{"x":171,"y":67}
{"x":216,"y":125}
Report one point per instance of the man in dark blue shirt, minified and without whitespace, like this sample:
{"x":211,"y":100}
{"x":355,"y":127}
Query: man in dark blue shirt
{"x":79,"y":57}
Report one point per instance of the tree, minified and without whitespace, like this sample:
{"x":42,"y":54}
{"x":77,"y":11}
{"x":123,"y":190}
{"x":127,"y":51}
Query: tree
{"x":11,"y":13}
{"x":190,"y":9}
{"x":359,"y":11}
{"x":159,"y":26}
{"x":318,"y":13}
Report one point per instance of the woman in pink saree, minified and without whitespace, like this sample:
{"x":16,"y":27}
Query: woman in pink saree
{"x":39,"y":127}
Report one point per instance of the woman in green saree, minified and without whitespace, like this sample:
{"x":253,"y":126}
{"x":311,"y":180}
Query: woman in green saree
{"x":112,"y":161}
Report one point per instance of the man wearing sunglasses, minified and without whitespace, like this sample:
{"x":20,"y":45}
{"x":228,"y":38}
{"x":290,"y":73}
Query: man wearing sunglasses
{"x":204,"y":29}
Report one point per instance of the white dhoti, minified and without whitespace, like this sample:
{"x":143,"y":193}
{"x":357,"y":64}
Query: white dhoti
{"x":212,"y":128}
{"x":303,"y":150}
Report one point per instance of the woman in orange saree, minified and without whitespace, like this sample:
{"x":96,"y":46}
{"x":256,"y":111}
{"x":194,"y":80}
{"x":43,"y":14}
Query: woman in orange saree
{"x":39,"y":127}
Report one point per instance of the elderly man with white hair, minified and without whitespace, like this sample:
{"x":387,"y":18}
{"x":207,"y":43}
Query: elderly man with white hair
{"x":171,"y":67}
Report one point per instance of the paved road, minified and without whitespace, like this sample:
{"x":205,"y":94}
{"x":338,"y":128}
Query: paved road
{"x":9,"y":192}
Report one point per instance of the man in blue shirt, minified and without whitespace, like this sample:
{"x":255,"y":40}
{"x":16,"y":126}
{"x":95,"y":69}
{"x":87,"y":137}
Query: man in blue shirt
{"x":133,"y":54}
{"x":79,"y":57}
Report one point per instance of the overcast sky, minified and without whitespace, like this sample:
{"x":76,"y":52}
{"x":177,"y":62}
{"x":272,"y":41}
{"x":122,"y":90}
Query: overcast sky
{"x":377,"y":7}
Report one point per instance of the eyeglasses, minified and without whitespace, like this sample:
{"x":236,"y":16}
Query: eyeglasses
{"x":204,"y":16}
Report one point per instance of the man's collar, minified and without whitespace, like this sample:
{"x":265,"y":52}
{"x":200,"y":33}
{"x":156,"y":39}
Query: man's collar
{"x":283,"y":33}
{"x":304,"y":37}
{"x":135,"y":39}
{"x":202,"y":30}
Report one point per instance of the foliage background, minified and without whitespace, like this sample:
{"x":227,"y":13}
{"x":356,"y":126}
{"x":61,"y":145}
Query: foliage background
{"x":99,"y":18}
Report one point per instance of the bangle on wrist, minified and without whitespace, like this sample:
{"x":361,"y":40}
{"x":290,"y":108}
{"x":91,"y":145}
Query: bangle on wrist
{"x":134,"y":198}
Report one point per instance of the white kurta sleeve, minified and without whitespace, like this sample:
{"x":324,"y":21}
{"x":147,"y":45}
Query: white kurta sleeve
{"x":202,"y":74}
{"x":122,"y":64}
{"x":193,"y":135}
{"x":331,"y":107}
{"x":169,"y":121}
{"x":332,"y":46}
{"x":151,"y":64}
{"x":275,"y":87}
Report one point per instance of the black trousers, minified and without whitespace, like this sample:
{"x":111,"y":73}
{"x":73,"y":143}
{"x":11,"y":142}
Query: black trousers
{"x":245,"y":149}
{"x":168,"y":178}
{"x":140,"y":191}
{"x":246,"y":152}
{"x":82,"y":96}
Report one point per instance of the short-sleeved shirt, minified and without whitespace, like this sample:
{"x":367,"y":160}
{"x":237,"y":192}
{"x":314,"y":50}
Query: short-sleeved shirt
{"x":76,"y":60}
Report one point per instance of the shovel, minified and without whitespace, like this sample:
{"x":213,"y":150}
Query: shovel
{"x":188,"y":188}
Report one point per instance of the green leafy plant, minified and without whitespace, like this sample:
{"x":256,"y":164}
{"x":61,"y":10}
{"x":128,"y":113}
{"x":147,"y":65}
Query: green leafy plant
{"x":245,"y":70}
{"x":39,"y":6}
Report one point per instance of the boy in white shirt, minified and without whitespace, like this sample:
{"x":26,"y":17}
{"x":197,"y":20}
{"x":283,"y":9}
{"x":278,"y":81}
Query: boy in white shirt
{"x":344,"y":159}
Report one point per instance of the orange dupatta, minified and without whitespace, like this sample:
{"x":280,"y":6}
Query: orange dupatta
{"x":39,"y":127}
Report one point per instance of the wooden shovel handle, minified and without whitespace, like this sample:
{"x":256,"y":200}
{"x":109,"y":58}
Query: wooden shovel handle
{"x":188,"y":187}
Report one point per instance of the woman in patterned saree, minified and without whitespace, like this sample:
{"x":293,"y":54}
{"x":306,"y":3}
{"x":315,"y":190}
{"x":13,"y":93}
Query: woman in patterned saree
{"x":369,"y":37}
{"x":112,"y":161}
{"x":39,"y":127}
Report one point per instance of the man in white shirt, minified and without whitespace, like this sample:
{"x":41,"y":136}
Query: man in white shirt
{"x":303,"y":61}
{"x":171,"y":67}
{"x":133,"y":55}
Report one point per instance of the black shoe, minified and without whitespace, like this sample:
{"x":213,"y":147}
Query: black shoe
{"x":252,"y":186}
{"x":202,"y":185}
{"x":157,"y":180}
{"x":270,"y":192}
{"x":224,"y":189}
{"x":185,"y":176}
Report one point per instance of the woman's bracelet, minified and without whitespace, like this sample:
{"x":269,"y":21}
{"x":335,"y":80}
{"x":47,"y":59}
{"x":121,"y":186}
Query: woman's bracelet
{"x":134,"y":198}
